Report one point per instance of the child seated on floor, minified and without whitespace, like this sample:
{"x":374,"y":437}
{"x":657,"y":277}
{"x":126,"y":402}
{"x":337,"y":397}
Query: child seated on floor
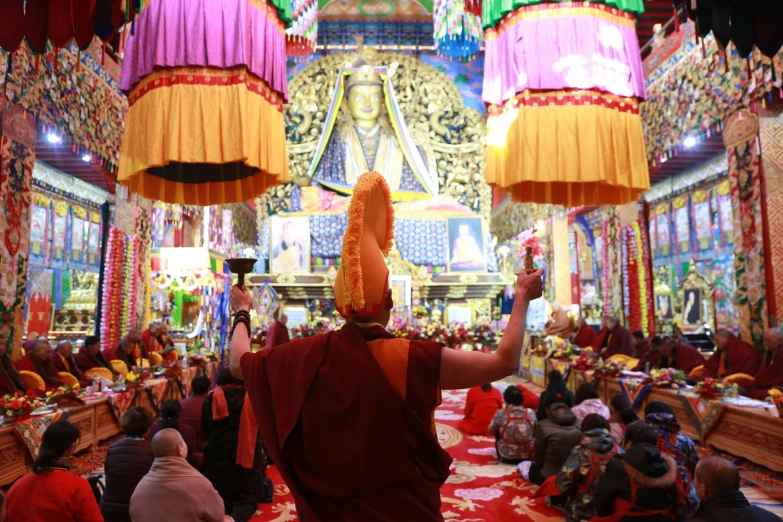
{"x":513,"y":428}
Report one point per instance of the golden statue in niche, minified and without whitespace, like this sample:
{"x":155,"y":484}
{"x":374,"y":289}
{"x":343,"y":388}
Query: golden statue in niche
{"x":371,"y":136}
{"x":451,"y":135}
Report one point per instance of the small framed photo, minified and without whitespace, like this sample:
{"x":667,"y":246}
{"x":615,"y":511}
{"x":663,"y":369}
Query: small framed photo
{"x":401,"y":290}
{"x":297,"y":315}
{"x":459,"y":314}
{"x":290,"y":245}
{"x":467,"y":249}
{"x":665,"y":306}
{"x":692,"y":308}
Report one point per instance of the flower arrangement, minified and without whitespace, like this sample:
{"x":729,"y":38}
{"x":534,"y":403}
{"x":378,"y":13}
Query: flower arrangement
{"x":667,"y":377}
{"x":566,"y":352}
{"x":529,"y":238}
{"x":312,"y":328}
{"x":65,"y":395}
{"x":19,"y":406}
{"x":584,"y":363}
{"x":712,"y":387}
{"x":608,"y":368}
{"x":776,"y":397}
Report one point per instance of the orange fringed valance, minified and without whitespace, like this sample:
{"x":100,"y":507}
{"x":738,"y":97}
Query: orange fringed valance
{"x":567,"y":148}
{"x":223,"y":126}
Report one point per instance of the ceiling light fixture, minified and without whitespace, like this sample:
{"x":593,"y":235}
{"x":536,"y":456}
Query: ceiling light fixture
{"x":87,"y":158}
{"x":689,"y":142}
{"x":53,"y":138}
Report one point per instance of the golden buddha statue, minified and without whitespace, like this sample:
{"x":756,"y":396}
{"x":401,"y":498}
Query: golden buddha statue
{"x":372,"y":136}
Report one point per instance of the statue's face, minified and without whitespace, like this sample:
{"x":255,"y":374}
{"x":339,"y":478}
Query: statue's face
{"x":364,"y":102}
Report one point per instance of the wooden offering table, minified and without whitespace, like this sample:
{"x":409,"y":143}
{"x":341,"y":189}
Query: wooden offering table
{"x":739,"y":427}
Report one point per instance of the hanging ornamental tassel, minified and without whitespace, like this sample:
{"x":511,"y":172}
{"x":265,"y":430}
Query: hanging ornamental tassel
{"x":457,"y":30}
{"x":676,"y":19}
{"x":301,"y":37}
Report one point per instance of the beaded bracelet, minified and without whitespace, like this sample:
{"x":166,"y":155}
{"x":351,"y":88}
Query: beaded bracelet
{"x":238,"y":320}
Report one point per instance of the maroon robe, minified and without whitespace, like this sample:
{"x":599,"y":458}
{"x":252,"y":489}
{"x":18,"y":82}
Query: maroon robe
{"x":648,"y":354}
{"x":10,"y":380}
{"x":117,"y":354}
{"x":585,"y":337}
{"x":276,"y":335}
{"x":600,"y":339}
{"x":737,"y":357}
{"x":621,"y":343}
{"x":86,"y":361}
{"x":383,"y":461}
{"x":45,"y":369}
{"x":68,"y":366}
{"x":768,"y":377}
{"x":685,"y":357}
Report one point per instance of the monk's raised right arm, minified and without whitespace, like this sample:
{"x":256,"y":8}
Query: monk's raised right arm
{"x":460,"y":369}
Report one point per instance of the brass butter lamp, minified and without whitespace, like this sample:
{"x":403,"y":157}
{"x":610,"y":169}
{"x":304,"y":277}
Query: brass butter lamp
{"x":241,"y":266}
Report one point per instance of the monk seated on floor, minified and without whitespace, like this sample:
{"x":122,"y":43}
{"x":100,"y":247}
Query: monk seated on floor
{"x":480,"y":407}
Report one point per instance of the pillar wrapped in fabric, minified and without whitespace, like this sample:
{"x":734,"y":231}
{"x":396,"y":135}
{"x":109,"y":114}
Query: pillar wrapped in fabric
{"x":563,"y":84}
{"x":206,"y":84}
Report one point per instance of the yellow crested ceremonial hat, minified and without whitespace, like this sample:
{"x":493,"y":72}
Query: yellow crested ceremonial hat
{"x":363,"y":278}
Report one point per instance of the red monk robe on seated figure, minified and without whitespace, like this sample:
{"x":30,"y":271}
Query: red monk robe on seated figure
{"x":481,"y":405}
{"x":584,"y":335}
{"x":614,"y":339}
{"x":770,"y":373}
{"x":731,"y":356}
{"x":679,"y":355}
{"x":348,"y":416}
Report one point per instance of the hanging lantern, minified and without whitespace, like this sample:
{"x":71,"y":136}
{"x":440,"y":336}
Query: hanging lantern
{"x":457,"y":28}
{"x":205,"y":117}
{"x":301,"y":37}
{"x":563,"y":83}
{"x":12,"y":14}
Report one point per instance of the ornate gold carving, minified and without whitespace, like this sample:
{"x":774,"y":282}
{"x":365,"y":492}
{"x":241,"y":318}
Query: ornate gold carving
{"x":286,"y":279}
{"x":468,"y":279}
{"x":18,"y":125}
{"x":482,"y":310}
{"x":741,"y":127}
{"x":451,"y":135}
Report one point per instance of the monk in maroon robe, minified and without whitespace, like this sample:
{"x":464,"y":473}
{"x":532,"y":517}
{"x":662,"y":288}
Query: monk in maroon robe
{"x":347,"y":416}
{"x":90,"y":356}
{"x":770,"y":373}
{"x":585,"y":335}
{"x":680,"y":355}
{"x":10,"y":380}
{"x":617,"y":340}
{"x":277,"y":333}
{"x":731,"y":356}
{"x":37,"y":360}
{"x":122,"y":352}
{"x":650,"y":356}
{"x":62,"y":359}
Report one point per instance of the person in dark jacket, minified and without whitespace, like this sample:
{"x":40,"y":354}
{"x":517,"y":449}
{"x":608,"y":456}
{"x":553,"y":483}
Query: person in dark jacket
{"x":641,"y":484}
{"x":718,"y":486}
{"x":555,"y":387}
{"x":127,"y":461}
{"x":555,"y":437}
{"x":242,"y":485}
{"x":170,"y":413}
{"x":579,"y":477}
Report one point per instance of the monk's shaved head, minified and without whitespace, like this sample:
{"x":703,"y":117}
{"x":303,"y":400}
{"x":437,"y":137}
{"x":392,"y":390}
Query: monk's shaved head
{"x":166,"y":443}
{"x":716,"y":476}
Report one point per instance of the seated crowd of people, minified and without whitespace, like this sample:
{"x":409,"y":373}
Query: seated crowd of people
{"x":602,"y":463}
{"x":201,"y":461}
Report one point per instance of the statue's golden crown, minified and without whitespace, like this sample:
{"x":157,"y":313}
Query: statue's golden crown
{"x":365,"y":75}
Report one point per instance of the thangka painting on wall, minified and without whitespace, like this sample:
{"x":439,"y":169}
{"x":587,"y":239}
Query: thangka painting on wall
{"x":38,"y":229}
{"x":725,"y":286}
{"x":290,"y":245}
{"x":682,"y":225}
{"x":466,"y":244}
{"x":702,"y":222}
{"x":400,"y":286}
{"x":662,"y":234}
{"x":726,"y":216}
